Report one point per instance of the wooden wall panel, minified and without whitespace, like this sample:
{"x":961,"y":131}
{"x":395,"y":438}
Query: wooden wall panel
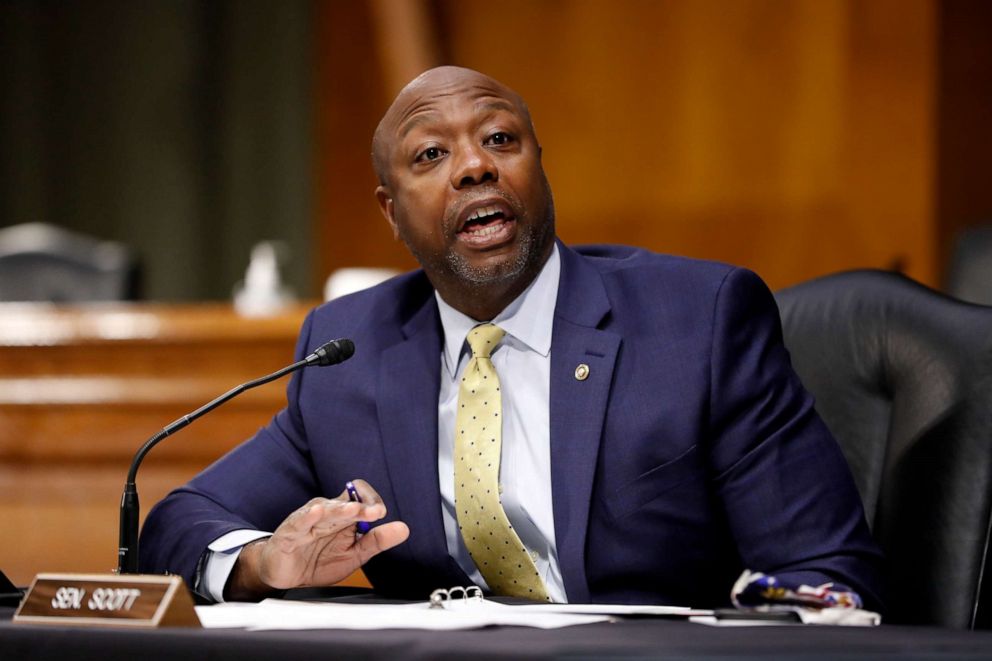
{"x":793,"y":137}
{"x":891,"y":122}
{"x":964,"y":109}
{"x":350,"y":98}
{"x":796,"y":137}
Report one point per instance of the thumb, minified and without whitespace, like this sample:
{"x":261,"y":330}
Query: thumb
{"x":381,"y":538}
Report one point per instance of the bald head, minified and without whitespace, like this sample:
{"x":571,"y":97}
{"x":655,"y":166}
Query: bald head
{"x":433,"y":83}
{"x":462,"y":185}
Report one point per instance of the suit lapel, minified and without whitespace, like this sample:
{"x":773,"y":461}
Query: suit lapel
{"x":409,"y":374}
{"x":578,"y":409}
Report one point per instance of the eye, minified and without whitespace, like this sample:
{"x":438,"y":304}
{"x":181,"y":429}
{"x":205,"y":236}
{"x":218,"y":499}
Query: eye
{"x":429,"y":154}
{"x":499,"y":138}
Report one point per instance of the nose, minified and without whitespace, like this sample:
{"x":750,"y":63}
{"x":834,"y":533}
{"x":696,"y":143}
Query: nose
{"x":473,"y":166}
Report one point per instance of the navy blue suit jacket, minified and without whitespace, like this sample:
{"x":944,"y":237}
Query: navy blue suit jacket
{"x":689,"y":453}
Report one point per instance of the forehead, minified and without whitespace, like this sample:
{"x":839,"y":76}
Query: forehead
{"x":435,"y":101}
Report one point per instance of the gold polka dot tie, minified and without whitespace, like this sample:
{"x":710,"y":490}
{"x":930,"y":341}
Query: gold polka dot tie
{"x":494,"y":545}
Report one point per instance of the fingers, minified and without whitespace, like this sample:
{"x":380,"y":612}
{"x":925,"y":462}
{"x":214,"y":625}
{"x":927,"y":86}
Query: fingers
{"x":317,"y":544}
{"x":325,"y":515}
{"x":374,"y":509}
{"x":320,"y":516}
{"x":381,"y":538}
{"x":332,"y":515}
{"x":366,"y":493}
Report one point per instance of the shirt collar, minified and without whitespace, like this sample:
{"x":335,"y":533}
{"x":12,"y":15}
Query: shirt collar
{"x":529,"y":319}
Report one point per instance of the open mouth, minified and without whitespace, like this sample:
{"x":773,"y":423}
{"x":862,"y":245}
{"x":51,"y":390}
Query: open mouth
{"x":486,"y":225}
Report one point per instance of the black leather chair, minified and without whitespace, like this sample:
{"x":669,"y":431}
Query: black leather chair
{"x":41,"y":262}
{"x":969,"y":274}
{"x":902,"y":375}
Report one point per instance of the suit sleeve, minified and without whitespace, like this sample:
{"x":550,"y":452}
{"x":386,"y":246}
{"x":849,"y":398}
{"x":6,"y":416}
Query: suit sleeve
{"x":787,"y":491}
{"x":255,"y":486}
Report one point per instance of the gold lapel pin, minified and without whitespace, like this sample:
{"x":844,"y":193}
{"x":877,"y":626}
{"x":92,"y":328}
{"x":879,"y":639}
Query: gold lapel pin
{"x":582,"y":372}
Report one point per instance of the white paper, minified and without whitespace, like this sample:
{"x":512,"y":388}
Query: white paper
{"x":282,"y":614}
{"x":615,"y":609}
{"x":715,"y":622}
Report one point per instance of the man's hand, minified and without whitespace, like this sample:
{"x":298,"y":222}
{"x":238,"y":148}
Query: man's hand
{"x":316,"y":545}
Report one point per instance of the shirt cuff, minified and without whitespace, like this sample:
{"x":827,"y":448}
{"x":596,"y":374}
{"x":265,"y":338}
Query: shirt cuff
{"x":222,"y":553}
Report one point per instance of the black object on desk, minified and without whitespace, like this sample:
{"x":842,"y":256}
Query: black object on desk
{"x":10,"y":595}
{"x":783,"y":617}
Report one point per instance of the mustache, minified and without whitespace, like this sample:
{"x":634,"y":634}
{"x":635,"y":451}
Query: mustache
{"x":450,"y":221}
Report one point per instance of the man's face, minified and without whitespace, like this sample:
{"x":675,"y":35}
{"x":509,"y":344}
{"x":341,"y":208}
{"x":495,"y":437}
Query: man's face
{"x":464,"y":187}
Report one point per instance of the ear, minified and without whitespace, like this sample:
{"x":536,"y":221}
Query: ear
{"x":385,"y":200}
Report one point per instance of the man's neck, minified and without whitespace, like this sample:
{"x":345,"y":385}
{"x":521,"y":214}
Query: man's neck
{"x":483,"y":302}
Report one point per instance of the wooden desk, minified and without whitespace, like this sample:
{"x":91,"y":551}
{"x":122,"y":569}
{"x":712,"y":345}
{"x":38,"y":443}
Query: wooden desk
{"x":82,"y":387}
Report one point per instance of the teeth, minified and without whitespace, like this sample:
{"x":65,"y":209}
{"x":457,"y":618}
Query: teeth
{"x":486,"y":231}
{"x":483,"y":212}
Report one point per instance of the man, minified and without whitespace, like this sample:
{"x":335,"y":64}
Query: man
{"x":653,"y":443}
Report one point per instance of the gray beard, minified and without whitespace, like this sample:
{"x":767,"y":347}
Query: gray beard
{"x":531,"y":244}
{"x":487,"y":275}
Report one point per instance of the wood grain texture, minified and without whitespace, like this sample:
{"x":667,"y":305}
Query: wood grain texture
{"x":795,"y":137}
{"x":82,"y":387}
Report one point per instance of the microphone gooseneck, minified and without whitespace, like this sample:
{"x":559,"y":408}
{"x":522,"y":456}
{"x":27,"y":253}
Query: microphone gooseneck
{"x":330,"y":353}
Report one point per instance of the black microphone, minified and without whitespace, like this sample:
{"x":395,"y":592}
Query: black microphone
{"x":331,"y":353}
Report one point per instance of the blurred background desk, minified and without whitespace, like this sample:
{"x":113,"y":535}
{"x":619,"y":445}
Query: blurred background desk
{"x":82,"y":387}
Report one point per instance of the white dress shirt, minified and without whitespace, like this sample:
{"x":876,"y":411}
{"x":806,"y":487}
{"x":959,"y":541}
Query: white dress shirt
{"x":523,"y":363}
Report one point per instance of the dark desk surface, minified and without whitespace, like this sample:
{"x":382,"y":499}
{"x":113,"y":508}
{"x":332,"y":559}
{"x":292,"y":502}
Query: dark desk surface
{"x":636,"y":638}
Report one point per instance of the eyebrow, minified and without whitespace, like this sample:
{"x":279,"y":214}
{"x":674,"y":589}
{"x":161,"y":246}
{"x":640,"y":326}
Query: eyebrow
{"x":422,"y":117}
{"x":496,"y":104}
{"x":415,"y":121}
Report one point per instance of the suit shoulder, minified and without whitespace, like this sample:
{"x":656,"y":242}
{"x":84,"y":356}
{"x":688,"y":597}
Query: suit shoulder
{"x":390,"y":303}
{"x":642,"y":283}
{"x":637,"y":264}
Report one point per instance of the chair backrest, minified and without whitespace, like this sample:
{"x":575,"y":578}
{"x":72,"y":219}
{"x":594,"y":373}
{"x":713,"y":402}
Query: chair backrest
{"x":969,"y":274}
{"x":902,"y":376}
{"x":41,"y":262}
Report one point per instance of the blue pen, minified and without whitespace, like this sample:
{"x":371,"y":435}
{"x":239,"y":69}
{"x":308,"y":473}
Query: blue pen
{"x":363,"y":526}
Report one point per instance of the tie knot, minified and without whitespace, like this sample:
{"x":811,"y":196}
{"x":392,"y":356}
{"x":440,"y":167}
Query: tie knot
{"x":483,"y":339}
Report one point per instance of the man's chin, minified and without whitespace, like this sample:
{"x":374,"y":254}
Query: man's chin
{"x":519,"y":259}
{"x":491,"y":269}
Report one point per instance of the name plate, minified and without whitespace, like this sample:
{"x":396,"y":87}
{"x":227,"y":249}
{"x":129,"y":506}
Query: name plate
{"x":131,"y":600}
